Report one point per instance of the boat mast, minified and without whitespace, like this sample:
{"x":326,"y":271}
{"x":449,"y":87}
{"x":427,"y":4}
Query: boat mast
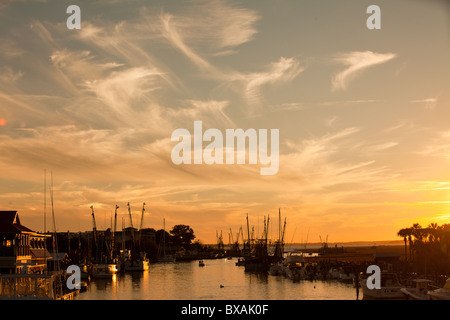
{"x":129,"y":212}
{"x":279,"y":224}
{"x":55,"y":245}
{"x":248,"y":232}
{"x":142,"y":216}
{"x":231,"y":237}
{"x":132,"y":228}
{"x":123,"y":236}
{"x":141,"y":225}
{"x":94,"y":232}
{"x":114,"y":231}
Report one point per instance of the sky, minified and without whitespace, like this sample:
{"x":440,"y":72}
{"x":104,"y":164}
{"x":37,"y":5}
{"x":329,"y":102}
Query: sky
{"x":363,"y":115}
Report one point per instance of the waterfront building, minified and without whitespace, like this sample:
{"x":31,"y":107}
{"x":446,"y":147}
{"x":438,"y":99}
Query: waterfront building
{"x":21,"y":250}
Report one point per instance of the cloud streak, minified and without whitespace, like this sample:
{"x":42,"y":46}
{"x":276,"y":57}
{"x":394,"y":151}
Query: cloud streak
{"x":285,"y":69}
{"x":357,"y":62}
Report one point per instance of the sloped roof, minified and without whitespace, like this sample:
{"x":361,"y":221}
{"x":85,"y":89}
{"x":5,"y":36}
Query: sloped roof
{"x":22,"y":228}
{"x":10,"y":223}
{"x":40,"y":253}
{"x":57,"y":256}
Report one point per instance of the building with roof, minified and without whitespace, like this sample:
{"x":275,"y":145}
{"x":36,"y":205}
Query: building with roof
{"x":21,"y":250}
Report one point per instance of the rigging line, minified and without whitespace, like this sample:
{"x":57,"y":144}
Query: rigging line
{"x":292,"y":240}
{"x":55,"y":247}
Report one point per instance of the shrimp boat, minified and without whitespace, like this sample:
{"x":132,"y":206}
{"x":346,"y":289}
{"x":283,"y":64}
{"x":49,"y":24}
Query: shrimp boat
{"x":295,"y":257}
{"x":136,"y":265}
{"x":103,"y":271}
{"x":131,"y":263}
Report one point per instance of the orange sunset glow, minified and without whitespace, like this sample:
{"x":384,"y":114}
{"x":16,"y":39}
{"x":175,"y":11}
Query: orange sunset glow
{"x":363,"y":120}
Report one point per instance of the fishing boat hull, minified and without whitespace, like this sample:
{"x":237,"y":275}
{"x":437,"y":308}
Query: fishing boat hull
{"x":138,"y":265}
{"x":418,"y":291}
{"x":277,"y":269}
{"x":393,"y":292}
{"x":256,"y":266}
{"x":441,"y":293}
{"x":104,"y":271}
{"x":413,"y":294}
{"x":390,"y":288}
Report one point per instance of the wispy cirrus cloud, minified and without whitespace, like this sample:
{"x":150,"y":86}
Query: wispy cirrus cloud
{"x":430,"y":103}
{"x":284,"y":69}
{"x":213,"y":25}
{"x":80,"y":65}
{"x":9,"y":76}
{"x":438,"y":146}
{"x":171,"y":33}
{"x":317,"y":170}
{"x":357,"y":62}
{"x":9,"y":48}
{"x":314,"y":152}
{"x":223,"y":27}
{"x":123,"y":90}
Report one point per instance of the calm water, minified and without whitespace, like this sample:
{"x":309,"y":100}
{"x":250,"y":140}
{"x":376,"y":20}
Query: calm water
{"x":188,"y":281}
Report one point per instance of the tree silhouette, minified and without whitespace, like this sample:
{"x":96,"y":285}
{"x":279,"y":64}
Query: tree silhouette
{"x":429,"y":247}
{"x":433,"y":232}
{"x":404,"y":234}
{"x":182,"y":235}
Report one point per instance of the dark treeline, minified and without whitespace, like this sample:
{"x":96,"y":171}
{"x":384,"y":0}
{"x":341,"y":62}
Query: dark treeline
{"x":427,"y":249}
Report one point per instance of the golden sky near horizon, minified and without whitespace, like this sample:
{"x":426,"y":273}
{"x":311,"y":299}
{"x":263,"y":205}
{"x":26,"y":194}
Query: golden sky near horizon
{"x":363,"y":115}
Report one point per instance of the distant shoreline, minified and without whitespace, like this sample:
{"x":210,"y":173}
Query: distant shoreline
{"x":313,"y":245}
{"x":347,"y":244}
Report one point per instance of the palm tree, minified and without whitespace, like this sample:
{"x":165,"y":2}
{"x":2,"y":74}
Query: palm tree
{"x":417,"y":232}
{"x":404,"y":234}
{"x":444,"y":232}
{"x":433,"y":232}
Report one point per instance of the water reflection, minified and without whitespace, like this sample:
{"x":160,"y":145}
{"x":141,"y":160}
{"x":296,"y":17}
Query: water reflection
{"x":103,"y":284}
{"x":219,"y":279}
{"x":136,"y":278}
{"x":257,"y":276}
